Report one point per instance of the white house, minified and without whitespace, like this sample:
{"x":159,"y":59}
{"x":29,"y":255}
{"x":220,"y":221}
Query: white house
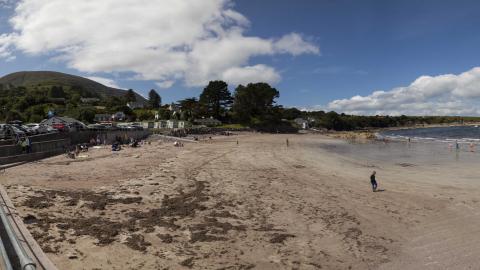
{"x":302,"y":123}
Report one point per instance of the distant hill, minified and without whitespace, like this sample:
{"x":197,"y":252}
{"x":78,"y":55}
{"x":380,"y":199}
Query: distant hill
{"x":30,"y":79}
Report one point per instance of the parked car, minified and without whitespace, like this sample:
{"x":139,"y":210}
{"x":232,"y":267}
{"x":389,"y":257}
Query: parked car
{"x":37,"y":128}
{"x":26,"y":129}
{"x":60,"y":127}
{"x":51,"y":129}
{"x":10,"y":132}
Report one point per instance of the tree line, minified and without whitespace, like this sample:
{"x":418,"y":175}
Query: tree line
{"x":253,"y":105}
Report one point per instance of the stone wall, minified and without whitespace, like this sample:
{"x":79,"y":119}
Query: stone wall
{"x":57,"y":143}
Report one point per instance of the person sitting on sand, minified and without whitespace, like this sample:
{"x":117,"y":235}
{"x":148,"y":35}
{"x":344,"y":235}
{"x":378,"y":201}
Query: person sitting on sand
{"x":373,"y":181}
{"x":116,"y":146}
{"x":134,"y":143}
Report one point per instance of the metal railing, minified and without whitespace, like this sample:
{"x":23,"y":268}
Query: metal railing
{"x":18,"y":249}
{"x":16,"y":255}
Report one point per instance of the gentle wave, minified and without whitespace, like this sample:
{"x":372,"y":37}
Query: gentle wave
{"x":452,"y":134}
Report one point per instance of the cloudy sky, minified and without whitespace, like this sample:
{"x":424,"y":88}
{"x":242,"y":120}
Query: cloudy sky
{"x":362,"y":57}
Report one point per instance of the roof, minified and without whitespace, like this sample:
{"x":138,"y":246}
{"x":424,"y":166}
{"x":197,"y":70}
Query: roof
{"x":64,"y":119}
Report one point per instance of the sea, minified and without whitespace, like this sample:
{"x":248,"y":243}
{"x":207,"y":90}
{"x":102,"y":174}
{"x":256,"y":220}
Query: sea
{"x":426,"y":146}
{"x":460,"y":134}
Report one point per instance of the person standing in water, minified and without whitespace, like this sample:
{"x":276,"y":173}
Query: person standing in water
{"x":373,"y":181}
{"x":287,"y":142}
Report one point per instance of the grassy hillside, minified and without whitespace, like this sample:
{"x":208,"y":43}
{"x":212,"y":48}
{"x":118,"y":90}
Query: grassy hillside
{"x":48,"y":79}
{"x":29,"y":96}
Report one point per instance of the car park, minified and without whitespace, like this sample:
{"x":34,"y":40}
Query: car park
{"x":38,"y":128}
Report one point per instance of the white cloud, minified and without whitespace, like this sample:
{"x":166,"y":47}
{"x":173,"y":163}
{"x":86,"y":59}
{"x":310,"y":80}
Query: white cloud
{"x":295,"y":44}
{"x":5,"y":42}
{"x":162,"y":40}
{"x":428,"y":95}
{"x":251,"y":74}
{"x":165,"y":84}
{"x":105,"y":81}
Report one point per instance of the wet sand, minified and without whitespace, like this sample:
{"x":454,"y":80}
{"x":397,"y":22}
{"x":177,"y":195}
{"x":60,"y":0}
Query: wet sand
{"x":256,"y":205}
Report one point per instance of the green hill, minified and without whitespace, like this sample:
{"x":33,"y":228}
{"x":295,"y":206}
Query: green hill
{"x":33,"y":79}
{"x":31,"y":95}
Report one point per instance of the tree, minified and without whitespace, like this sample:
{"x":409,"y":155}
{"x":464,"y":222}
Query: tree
{"x":14,"y":115}
{"x":190,"y":108}
{"x":216,"y":98}
{"x":291,"y":113}
{"x":130,"y":96}
{"x":143,"y":115}
{"x":56,"y":92}
{"x":164,"y":113}
{"x":113,"y":102}
{"x":154,"y":99}
{"x":254,"y":103}
{"x":86,"y":115}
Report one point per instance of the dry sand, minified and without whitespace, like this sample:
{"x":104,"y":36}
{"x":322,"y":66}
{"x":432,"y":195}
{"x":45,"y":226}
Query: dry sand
{"x":256,"y":205}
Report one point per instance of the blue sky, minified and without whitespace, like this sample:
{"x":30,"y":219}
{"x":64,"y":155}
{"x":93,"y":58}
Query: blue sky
{"x":344,"y":49}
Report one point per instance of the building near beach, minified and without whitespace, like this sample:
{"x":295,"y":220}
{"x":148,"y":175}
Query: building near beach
{"x":63,"y":123}
{"x":175,"y":124}
{"x":302,"y":123}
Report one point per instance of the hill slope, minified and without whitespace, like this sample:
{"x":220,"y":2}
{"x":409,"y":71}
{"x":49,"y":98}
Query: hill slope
{"x":50,"y":78}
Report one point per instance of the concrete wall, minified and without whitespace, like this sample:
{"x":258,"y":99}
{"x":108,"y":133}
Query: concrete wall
{"x":53,"y":144}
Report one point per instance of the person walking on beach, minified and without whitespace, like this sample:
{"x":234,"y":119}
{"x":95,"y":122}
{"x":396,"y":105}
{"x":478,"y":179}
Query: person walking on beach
{"x":373,"y":181}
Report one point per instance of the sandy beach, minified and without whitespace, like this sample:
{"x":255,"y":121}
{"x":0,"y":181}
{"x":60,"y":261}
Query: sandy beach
{"x":255,"y":205}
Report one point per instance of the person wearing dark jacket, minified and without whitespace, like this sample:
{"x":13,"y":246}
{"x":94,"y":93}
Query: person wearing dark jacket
{"x":373,"y":181}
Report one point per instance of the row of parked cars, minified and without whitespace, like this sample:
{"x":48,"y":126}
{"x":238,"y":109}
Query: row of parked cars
{"x":17,"y":129}
{"x":132,"y":126}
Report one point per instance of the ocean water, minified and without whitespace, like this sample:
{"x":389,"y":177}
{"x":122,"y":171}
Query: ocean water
{"x":403,"y":153}
{"x":427,"y":146}
{"x":462,"y":134}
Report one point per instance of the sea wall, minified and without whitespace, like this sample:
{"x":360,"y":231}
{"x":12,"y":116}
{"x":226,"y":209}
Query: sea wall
{"x":57,"y":143}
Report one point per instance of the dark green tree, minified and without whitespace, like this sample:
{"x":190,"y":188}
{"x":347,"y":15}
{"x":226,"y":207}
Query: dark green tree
{"x":86,"y":115}
{"x":254,"y":103}
{"x":14,"y":115}
{"x":145,"y":115}
{"x":216,"y":99}
{"x":291,"y":113}
{"x":164,"y":113}
{"x":113,"y":102}
{"x":154,"y":99}
{"x":56,"y":92}
{"x":130,"y":96}
{"x":190,"y":108}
